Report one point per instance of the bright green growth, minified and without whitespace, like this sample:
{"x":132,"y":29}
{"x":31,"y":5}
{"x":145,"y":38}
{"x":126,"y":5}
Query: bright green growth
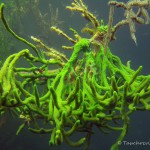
{"x":91,"y":88}
{"x":102,"y":28}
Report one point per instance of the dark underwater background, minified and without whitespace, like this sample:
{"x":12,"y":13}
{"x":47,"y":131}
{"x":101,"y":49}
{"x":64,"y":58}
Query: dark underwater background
{"x":26,"y":24}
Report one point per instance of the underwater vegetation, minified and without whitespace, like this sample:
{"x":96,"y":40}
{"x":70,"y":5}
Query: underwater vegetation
{"x":17,"y":12}
{"x":91,"y":88}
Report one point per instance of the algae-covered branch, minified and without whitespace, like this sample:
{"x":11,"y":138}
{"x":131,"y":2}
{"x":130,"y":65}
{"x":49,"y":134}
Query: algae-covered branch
{"x":92,"y":88}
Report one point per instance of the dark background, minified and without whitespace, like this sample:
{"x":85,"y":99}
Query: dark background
{"x":123,"y":47}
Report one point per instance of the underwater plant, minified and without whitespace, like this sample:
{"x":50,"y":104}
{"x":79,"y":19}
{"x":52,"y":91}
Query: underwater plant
{"x":92,"y":88}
